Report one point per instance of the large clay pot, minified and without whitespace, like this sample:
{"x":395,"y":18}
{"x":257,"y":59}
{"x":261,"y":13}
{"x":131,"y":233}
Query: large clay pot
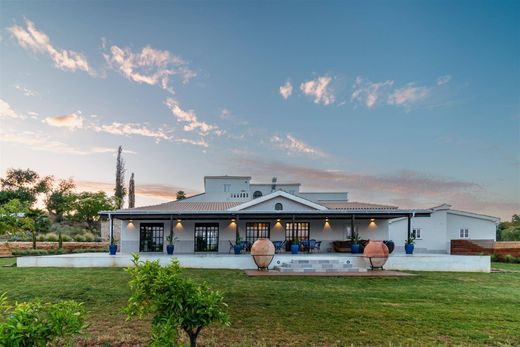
{"x":262,"y":252}
{"x":377,"y":253}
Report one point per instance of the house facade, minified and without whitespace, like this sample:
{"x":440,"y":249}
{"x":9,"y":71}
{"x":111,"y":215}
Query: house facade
{"x":233,"y":206}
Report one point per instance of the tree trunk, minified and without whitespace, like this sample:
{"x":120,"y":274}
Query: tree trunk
{"x":193,"y":336}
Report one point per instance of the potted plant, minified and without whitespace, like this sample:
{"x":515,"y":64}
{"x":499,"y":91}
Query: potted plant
{"x":170,"y":247}
{"x":238,"y":245}
{"x":113,"y":246}
{"x":356,"y":246}
{"x":409,"y":244}
{"x":295,"y":246}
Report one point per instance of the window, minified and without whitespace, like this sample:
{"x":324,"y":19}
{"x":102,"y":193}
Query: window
{"x":227,"y":188}
{"x":255,"y":231}
{"x":151,"y":237}
{"x":416,"y":233}
{"x":206,"y":237}
{"x":278,"y":206}
{"x":300,"y":231}
{"x":464,"y":233}
{"x":257,"y":194}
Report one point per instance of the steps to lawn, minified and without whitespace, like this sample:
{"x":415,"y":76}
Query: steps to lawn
{"x":318,"y":265}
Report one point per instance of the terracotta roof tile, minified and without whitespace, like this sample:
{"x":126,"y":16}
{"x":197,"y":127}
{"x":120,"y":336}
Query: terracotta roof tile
{"x":188,"y":206}
{"x":357,"y":206}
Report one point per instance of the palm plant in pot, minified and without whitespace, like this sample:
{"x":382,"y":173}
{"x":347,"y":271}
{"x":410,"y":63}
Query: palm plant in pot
{"x":356,"y":246}
{"x":113,"y":245}
{"x":171,"y":244}
{"x":295,"y":246}
{"x":409,"y":244}
{"x":238,"y":245}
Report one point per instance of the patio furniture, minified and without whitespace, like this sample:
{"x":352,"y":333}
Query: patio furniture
{"x":278,"y":245}
{"x":308,"y":245}
{"x":318,"y":246}
{"x":231,"y":246}
{"x":346,"y":246}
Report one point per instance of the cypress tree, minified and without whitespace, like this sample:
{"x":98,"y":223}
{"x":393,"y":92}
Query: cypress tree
{"x":119,"y":190}
{"x":131,"y":192}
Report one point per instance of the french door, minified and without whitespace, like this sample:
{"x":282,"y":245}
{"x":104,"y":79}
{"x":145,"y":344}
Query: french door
{"x":151,"y":237}
{"x":206,"y":237}
{"x":298,"y":230}
{"x":255,"y":231}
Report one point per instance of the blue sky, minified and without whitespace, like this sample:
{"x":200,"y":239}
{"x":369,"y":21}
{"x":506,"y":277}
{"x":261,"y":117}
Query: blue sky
{"x":404,"y":102}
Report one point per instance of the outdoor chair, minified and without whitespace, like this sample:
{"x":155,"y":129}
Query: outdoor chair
{"x":318,"y":246}
{"x":278,"y":245}
{"x":312,"y":245}
{"x":231,"y":246}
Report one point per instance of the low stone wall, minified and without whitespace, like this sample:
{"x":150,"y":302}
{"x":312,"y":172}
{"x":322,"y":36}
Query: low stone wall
{"x":11,"y":246}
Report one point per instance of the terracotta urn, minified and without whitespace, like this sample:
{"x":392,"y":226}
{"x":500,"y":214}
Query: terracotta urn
{"x":377,"y":253}
{"x":262,"y":252}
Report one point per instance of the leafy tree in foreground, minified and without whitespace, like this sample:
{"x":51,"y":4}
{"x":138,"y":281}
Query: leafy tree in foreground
{"x":174,"y":300}
{"x":39,"y":324}
{"x":119,"y":190}
{"x":14,"y":219}
{"x":509,"y":231}
{"x":131,"y":192}
{"x":24,"y":185}
{"x":87,"y":206}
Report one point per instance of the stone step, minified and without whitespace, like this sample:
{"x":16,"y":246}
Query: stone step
{"x":316,"y":266}
{"x":302,"y":270}
{"x":315,"y":261}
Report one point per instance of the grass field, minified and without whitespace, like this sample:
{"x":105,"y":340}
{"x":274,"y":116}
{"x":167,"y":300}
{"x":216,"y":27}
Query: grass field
{"x":427,"y":309}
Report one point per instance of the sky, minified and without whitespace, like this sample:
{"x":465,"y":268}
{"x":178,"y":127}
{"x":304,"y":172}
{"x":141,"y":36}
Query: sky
{"x":412,"y":103}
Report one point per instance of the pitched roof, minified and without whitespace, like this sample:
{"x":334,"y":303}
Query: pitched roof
{"x":278,"y":193}
{"x":356,"y":206}
{"x":188,"y":206}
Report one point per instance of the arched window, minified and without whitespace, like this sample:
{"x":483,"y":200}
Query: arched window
{"x":257,"y":194}
{"x":278,"y":206}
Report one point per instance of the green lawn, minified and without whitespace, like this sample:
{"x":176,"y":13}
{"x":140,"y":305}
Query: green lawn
{"x":428,"y":309}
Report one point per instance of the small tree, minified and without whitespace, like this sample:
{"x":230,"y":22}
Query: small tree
{"x":14,"y":219}
{"x":87,"y":206}
{"x":131,"y":192}
{"x":24,"y":185}
{"x":181,"y":195}
{"x":39,"y":324}
{"x":174,"y":300}
{"x":59,"y":201}
{"x":119,"y":190}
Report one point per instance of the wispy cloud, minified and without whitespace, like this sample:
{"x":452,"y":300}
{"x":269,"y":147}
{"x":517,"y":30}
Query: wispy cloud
{"x":408,"y":95}
{"x":190,"y":119}
{"x":38,"y":141}
{"x":150,"y":66}
{"x":368,"y":93}
{"x":319,"y":89}
{"x":29,"y":37}
{"x":286,"y":90}
{"x":293,"y":145}
{"x":25,"y":91}
{"x":71,"y":121}
{"x":7,"y":112}
{"x":200,"y":142}
{"x":443,"y":80}
{"x":131,"y":129}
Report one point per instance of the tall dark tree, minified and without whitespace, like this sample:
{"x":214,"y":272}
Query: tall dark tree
{"x":131,"y":192}
{"x":120,"y":190}
{"x":181,"y":195}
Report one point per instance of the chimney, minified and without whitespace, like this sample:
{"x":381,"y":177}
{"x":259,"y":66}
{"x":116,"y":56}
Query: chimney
{"x":273,"y":186}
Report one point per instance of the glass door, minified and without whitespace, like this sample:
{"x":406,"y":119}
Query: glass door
{"x":151,"y":237}
{"x":206,"y":237}
{"x":298,"y":230}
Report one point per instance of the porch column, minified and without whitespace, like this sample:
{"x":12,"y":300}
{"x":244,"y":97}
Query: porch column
{"x":409,"y":225}
{"x":171,"y":228}
{"x":110,"y":229}
{"x":352,"y":219}
{"x":237,"y":232}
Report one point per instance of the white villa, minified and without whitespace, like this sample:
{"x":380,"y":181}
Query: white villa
{"x":231,"y":205}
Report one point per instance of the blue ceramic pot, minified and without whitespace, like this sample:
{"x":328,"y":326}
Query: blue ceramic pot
{"x":408,"y":248}
{"x":237,"y":249}
{"x":355,"y":248}
{"x":294,"y":248}
{"x":169,"y":249}
{"x":112,"y":249}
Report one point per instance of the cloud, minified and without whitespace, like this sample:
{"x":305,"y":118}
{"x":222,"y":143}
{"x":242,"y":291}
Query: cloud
{"x":286,"y":90}
{"x":408,"y":95}
{"x":368,"y":93}
{"x":294,"y":145}
{"x":40,"y":142}
{"x":319,"y":89}
{"x":149,"y":66}
{"x":25,"y":91}
{"x":129,"y":129}
{"x":443,"y":80}
{"x":71,"y":121}
{"x":200,"y":143}
{"x":7,"y":112}
{"x":190,"y":119}
{"x":37,"y":41}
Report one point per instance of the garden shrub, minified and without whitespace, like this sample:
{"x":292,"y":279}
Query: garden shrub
{"x":40,"y":324}
{"x":494,"y":257}
{"x":175,"y":301}
{"x":79,"y":238}
{"x":66,"y":238}
{"x":90,"y":237}
{"x":51,"y":237}
{"x":41,"y":238}
{"x":508,"y":258}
